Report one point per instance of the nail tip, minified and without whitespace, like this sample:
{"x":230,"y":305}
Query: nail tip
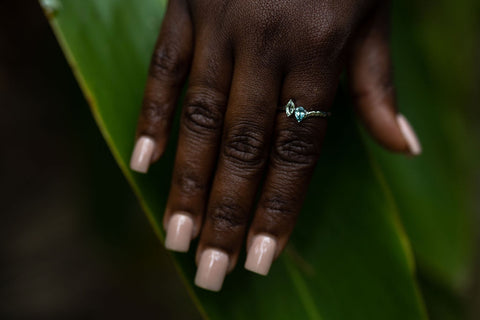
{"x":255,"y":270}
{"x":212,"y":269}
{"x":413,"y":143}
{"x":207,"y":287}
{"x":138,"y":169}
{"x":175,"y":248}
{"x":179,"y":233}
{"x":416,"y":153}
{"x":142,"y":154}
{"x":261,"y":254}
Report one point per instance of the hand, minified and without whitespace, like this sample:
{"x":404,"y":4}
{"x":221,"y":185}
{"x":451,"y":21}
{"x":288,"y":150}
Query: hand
{"x":244,"y":60}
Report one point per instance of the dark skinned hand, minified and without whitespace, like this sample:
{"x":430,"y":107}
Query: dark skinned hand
{"x":244,"y":60}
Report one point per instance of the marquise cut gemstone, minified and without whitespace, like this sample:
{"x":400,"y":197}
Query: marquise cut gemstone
{"x":290,"y":108}
{"x":300,"y":113}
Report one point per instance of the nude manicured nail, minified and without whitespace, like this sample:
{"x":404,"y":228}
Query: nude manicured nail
{"x":142,"y":154}
{"x":260,"y":255}
{"x":409,"y":135}
{"x":211,"y":269}
{"x":179,"y":232}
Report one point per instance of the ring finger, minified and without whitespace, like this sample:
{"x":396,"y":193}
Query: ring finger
{"x":295,"y":151}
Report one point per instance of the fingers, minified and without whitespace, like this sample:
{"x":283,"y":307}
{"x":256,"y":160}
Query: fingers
{"x":242,"y":158}
{"x":295,"y":151}
{"x":199,"y":139}
{"x":168,"y":69}
{"x":371,"y":83}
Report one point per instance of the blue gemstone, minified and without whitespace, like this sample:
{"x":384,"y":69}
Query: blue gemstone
{"x":300,"y":113}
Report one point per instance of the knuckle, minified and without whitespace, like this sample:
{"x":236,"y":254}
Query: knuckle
{"x":154,"y":110}
{"x":294,"y":148}
{"x":334,"y":32}
{"x":167,"y":62}
{"x":327,"y":37}
{"x":377,"y":93}
{"x":258,"y":16}
{"x":267,"y":23}
{"x":202,"y":112}
{"x":277,"y":207}
{"x":385,"y":83}
{"x":227,"y":215}
{"x":245,"y":146}
{"x":188,"y":181}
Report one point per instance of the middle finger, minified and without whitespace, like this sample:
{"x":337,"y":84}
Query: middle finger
{"x":243,"y":154}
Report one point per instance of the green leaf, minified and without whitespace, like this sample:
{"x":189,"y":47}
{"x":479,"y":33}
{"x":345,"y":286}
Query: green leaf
{"x":435,"y":82}
{"x":348,"y":258}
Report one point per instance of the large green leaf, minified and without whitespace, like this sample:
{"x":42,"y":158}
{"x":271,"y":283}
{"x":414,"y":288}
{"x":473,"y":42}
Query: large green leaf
{"x":434,"y":50}
{"x":349,"y":257}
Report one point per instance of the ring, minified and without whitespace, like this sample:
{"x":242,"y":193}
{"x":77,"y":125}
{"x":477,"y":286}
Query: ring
{"x":300,"y":113}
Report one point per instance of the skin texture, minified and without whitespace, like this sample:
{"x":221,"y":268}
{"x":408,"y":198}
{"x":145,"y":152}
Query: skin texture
{"x":244,"y":60}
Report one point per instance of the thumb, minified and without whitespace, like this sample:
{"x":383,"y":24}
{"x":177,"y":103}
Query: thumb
{"x":371,"y":84}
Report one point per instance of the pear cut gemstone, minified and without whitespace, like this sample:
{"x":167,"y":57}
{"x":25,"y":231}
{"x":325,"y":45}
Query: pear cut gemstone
{"x":290,"y":108}
{"x":300,"y":113}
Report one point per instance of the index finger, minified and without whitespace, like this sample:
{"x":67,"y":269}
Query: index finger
{"x":168,"y":69}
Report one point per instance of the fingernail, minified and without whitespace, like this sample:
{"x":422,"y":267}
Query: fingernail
{"x":409,"y":135}
{"x":179,"y":232}
{"x":260,"y":255}
{"x":211,"y":269}
{"x":142,"y":154}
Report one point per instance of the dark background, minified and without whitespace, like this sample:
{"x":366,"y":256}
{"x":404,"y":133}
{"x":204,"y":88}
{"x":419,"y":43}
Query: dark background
{"x":73,"y":241}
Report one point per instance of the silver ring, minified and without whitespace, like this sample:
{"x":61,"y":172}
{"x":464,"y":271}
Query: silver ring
{"x":300,"y":113}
